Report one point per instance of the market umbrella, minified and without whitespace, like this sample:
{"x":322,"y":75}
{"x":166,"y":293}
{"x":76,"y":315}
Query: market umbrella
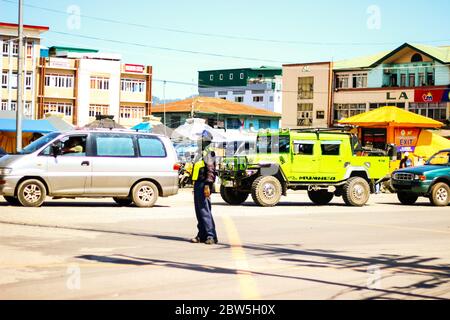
{"x":104,"y":122}
{"x":155,"y":127}
{"x":192,"y":130}
{"x":430,"y":143}
{"x":391,"y":116}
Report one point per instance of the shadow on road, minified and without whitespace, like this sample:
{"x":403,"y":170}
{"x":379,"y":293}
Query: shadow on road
{"x":65,"y":204}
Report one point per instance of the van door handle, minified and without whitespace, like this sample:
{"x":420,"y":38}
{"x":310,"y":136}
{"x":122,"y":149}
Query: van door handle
{"x":85,"y":164}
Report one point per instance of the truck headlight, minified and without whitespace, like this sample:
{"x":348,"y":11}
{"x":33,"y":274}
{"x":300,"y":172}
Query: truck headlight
{"x":5,"y":171}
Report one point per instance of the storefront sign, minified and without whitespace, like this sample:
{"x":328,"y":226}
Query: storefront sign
{"x":59,"y":63}
{"x":446,"y":96}
{"x":430,"y":96}
{"x":394,"y":96}
{"x":135,"y":68}
{"x":406,"y":137}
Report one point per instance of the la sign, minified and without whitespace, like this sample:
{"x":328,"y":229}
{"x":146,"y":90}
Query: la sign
{"x":394,"y":96}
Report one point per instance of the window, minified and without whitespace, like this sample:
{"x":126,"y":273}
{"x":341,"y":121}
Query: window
{"x":5,"y":49}
{"x":4,"y":105}
{"x":403,"y":80}
{"x":412,"y":80}
{"x":306,"y":88}
{"x":13,"y":80}
{"x":304,"y":114}
{"x":97,"y":110}
{"x":239,"y":99}
{"x":59,"y":81}
{"x":28,"y":81}
{"x":271,"y":98}
{"x":234,"y":124}
{"x":151,"y":147}
{"x":231,"y":76}
{"x":115,"y":146}
{"x":222,"y":93}
{"x":5,"y":79}
{"x":416,"y":58}
{"x":436,"y":111}
{"x":241,"y":76}
{"x":72,"y":146}
{"x":15,"y":49}
{"x":221,"y":77}
{"x":211,"y":77}
{"x":342,"y":111}
{"x":58,"y":107}
{"x":29,"y":49}
{"x":132,"y":85}
{"x":320,"y":115}
{"x":27,"y":108}
{"x":264,"y":124}
{"x":273,"y":144}
{"x":304,"y":148}
{"x":430,"y":78}
{"x":331,"y":148}
{"x":132,"y":112}
{"x":342,"y":81}
{"x":99,"y":83}
{"x":360,"y":80}
{"x":258,"y":99}
{"x":373,"y":106}
{"x":422,"y":79}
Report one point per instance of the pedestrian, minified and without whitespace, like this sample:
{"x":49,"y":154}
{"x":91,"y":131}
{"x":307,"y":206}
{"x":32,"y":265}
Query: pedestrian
{"x":420,"y":161}
{"x":204,"y":175}
{"x":406,"y":161}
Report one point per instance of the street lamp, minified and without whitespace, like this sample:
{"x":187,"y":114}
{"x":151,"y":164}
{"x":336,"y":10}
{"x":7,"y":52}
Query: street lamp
{"x":19,"y":108}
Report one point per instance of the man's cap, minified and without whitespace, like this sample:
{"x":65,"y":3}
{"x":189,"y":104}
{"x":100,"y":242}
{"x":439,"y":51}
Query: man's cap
{"x":206,"y":135}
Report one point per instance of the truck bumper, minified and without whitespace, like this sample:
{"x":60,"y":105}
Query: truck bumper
{"x":418,"y":187}
{"x":8,"y":185}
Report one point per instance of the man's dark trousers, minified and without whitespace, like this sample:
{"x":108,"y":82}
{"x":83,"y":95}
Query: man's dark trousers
{"x":206,"y":226}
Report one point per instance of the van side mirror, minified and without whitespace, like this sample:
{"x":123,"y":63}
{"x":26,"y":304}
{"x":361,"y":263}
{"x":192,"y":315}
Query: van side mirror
{"x":56,"y":150}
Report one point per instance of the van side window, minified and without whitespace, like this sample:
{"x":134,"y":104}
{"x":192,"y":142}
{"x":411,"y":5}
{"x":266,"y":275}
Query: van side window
{"x":305,"y":148}
{"x":115,"y":146}
{"x":331,"y":148}
{"x":151,"y":147}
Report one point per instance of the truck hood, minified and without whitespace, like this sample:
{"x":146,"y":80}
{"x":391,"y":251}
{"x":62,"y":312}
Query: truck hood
{"x":422,"y":169}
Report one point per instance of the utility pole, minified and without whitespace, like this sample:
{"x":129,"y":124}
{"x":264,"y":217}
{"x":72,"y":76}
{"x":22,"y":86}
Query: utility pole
{"x":164,"y":102}
{"x":19,"y":108}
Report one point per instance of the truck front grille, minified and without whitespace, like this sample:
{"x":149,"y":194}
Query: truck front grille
{"x":404,"y":177}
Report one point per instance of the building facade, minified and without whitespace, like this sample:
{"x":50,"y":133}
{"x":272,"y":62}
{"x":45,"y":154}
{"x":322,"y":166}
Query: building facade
{"x":83,"y":83}
{"x":8,"y":66}
{"x":413,"y":77}
{"x":257,"y":87}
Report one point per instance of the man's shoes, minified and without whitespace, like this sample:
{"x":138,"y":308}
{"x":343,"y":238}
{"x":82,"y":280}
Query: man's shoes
{"x":196,"y":240}
{"x":211,"y":240}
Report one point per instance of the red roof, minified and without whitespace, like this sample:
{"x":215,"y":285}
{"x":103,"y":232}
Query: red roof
{"x":25,"y":26}
{"x":214,"y":106}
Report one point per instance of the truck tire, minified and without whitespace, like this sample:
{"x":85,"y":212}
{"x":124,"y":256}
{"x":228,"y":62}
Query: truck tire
{"x":123,"y":202}
{"x":144,"y":194}
{"x":407,"y":198}
{"x":320,"y":197}
{"x":232,"y":196}
{"x":12,"y":200}
{"x":31,"y":193}
{"x":266,"y":191}
{"x":440,"y":194}
{"x":356,"y":192}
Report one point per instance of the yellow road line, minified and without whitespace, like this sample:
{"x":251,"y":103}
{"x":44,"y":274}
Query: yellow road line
{"x":247,"y":282}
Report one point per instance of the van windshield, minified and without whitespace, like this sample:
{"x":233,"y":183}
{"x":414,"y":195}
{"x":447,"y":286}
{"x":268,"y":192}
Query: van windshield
{"x":39,"y":143}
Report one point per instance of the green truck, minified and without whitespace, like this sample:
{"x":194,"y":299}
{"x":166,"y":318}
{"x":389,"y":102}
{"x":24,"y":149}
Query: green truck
{"x":431,"y":180}
{"x":323,"y":162}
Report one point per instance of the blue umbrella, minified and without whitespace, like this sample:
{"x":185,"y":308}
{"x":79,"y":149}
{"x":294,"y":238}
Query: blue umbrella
{"x":143,"y":126}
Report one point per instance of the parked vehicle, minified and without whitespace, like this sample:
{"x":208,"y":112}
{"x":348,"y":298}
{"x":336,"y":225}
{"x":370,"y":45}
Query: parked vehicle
{"x":323,"y":162}
{"x":2,"y":152}
{"x":431,"y":180}
{"x":130,"y":167}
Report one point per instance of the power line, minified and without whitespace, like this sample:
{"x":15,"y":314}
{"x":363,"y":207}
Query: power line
{"x":222,"y":36}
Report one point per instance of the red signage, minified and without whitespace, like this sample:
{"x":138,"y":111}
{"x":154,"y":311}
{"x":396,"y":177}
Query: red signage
{"x":406,"y":137}
{"x":135,"y":68}
{"x":429,"y":95}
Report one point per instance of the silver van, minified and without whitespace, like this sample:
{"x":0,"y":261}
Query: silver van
{"x":127,"y":166}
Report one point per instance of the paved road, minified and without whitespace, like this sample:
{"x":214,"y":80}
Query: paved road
{"x":93,"y":249}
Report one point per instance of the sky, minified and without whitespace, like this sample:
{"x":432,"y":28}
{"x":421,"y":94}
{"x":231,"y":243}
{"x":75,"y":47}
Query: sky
{"x":179,"y":37}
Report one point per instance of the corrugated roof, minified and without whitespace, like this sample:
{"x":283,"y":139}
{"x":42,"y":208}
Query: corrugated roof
{"x":72,"y":49}
{"x":360,"y":62}
{"x":208,"y":105}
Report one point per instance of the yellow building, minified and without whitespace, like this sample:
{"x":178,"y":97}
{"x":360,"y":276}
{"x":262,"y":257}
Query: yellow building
{"x":8,"y":66}
{"x":83,"y":83}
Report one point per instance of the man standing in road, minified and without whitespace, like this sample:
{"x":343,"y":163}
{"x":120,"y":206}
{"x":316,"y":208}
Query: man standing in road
{"x":204,"y":175}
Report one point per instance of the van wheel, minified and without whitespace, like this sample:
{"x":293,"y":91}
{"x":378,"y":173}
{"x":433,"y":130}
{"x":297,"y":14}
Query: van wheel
{"x":320,"y":197}
{"x":232,"y":196}
{"x":440,"y":193}
{"x":123,"y":202}
{"x":407,"y":198}
{"x":266,"y":191}
{"x":144,"y":194}
{"x":356,"y":192}
{"x":12,"y":200}
{"x":31,"y":193}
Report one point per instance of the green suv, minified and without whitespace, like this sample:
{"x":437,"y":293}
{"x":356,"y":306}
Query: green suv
{"x":431,"y":180}
{"x":326,"y":163}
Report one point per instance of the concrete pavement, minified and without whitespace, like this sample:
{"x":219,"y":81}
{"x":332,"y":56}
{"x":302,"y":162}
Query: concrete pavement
{"x":93,"y":249}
